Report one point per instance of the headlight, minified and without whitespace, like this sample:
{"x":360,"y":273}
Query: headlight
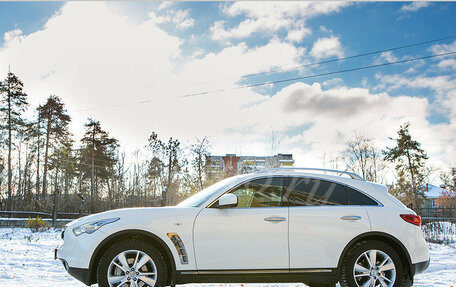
{"x":91,"y":227}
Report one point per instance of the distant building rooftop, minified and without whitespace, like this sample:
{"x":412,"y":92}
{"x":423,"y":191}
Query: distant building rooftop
{"x":431,"y":191}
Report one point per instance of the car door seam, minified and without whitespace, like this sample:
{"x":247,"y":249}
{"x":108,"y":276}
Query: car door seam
{"x":193,"y":237}
{"x":288,"y":238}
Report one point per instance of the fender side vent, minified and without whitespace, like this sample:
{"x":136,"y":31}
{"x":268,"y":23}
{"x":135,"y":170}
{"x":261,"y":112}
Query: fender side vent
{"x":180,"y":248}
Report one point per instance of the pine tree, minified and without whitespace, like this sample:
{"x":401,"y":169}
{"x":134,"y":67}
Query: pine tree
{"x":13,"y":102}
{"x":33,"y":138}
{"x":409,"y":158}
{"x":68,"y":162}
{"x":97,"y":157}
{"x":63,"y":162}
{"x":55,"y":120}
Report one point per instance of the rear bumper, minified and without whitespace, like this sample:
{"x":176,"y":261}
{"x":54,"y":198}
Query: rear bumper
{"x":420,"y":267}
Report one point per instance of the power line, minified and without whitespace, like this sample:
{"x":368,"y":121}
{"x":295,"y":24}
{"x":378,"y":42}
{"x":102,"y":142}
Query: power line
{"x":310,"y":76}
{"x":331,"y":61}
{"x":319,"y":75}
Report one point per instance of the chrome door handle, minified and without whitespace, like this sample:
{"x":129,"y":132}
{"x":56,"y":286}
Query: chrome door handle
{"x":351,"y":217}
{"x":275,"y":218}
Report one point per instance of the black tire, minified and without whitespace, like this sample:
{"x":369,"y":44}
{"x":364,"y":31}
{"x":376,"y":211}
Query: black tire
{"x":347,"y":279}
{"x":132,"y":244}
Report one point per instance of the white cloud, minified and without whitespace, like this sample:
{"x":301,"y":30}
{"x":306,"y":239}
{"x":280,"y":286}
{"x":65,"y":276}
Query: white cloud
{"x":283,"y":9}
{"x":271,"y":17}
{"x":165,"y":4}
{"x":12,"y":36}
{"x":445,"y":62}
{"x":441,"y":85}
{"x":388,"y":57}
{"x":242,"y":31}
{"x":414,"y":6}
{"x":298,"y":35}
{"x":443,"y":48}
{"x":448,"y":63}
{"x":180,"y":18}
{"x":336,"y":82}
{"x":239,"y":60}
{"x":327,"y":47}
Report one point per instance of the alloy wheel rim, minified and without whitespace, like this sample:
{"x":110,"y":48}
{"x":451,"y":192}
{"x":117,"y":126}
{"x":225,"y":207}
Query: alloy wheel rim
{"x":132,"y":268}
{"x":374,"y":268}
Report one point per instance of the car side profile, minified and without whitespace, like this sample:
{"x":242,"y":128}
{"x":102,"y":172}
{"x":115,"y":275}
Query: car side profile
{"x":277,"y":225}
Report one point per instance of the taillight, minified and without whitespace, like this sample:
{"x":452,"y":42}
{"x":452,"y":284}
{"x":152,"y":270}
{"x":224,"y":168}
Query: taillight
{"x":412,"y":218}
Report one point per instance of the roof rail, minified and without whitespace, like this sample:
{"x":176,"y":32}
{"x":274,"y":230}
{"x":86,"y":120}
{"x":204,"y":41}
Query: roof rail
{"x":351,"y":174}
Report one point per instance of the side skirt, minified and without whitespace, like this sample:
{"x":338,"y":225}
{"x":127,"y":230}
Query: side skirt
{"x":327,"y":276}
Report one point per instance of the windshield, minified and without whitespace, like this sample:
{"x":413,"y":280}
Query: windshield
{"x":202,"y":196}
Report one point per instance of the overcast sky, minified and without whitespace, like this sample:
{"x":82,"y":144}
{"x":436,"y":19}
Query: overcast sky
{"x":129,"y":64}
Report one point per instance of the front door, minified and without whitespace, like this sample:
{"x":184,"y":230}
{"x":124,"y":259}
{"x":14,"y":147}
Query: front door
{"x":253,"y":235}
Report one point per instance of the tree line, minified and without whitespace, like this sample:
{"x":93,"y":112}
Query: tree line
{"x":44,"y":168}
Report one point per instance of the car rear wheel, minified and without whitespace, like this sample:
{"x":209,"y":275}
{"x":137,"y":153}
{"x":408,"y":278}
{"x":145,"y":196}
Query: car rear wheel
{"x":132,"y":263}
{"x":371,"y":264}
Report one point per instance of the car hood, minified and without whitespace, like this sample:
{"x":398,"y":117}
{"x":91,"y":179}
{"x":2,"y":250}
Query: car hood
{"x":124,"y":213}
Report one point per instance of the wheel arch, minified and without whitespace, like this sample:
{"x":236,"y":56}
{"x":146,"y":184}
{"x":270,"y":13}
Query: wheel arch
{"x":138,"y":234}
{"x":388,"y":239}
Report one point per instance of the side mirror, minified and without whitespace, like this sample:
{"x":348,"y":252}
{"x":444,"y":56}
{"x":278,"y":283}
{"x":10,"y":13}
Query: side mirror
{"x":228,"y":200}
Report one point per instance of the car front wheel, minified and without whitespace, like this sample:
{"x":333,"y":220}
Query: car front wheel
{"x":371,"y":263}
{"x":132,"y":263}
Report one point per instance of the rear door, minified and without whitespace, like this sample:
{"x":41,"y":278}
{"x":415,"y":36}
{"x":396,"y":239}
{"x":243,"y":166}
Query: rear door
{"x":321,"y":223}
{"x":253,"y":235}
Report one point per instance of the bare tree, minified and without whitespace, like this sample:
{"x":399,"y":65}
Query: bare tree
{"x":361,"y":156}
{"x":199,"y":152}
{"x":166,"y":164}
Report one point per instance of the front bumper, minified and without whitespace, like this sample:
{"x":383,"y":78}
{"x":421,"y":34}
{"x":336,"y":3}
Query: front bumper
{"x":71,"y":254}
{"x":81,"y":274}
{"x":420,"y":267}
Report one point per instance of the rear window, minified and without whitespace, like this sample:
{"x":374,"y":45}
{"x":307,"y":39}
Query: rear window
{"x":357,"y":198}
{"x":315,"y":192}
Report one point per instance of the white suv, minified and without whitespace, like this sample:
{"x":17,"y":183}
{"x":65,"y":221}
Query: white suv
{"x":279,"y":225}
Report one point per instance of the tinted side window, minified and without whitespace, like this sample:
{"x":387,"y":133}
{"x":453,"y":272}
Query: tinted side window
{"x":357,"y":198}
{"x":264,"y":192}
{"x":312,"y":192}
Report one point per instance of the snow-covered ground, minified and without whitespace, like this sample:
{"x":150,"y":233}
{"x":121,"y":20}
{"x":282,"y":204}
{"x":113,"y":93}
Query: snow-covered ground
{"x":27,"y":259}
